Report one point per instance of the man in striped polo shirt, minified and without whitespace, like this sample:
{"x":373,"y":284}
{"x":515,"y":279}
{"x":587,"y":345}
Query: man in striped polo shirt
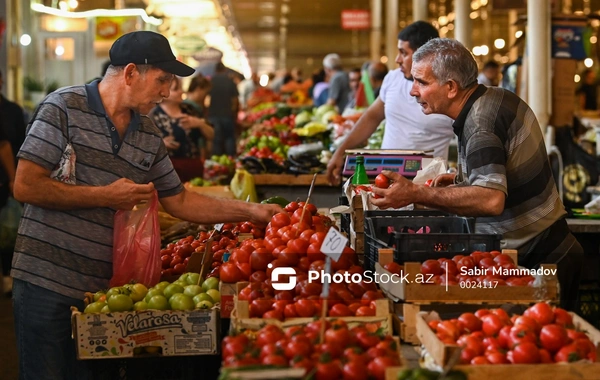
{"x":504,"y":176}
{"x":64,"y":247}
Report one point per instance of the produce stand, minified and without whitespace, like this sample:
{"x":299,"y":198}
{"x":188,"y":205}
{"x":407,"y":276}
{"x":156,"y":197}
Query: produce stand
{"x":291,"y":187}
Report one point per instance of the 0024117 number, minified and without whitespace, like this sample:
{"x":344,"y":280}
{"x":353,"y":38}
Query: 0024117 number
{"x":491,"y":284}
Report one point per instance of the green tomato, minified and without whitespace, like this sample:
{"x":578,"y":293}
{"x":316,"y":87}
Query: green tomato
{"x":138,"y":291}
{"x":120,"y":302}
{"x":192,"y":278}
{"x":180,"y":283}
{"x":202,"y":297}
{"x":172,"y":289}
{"x":153,"y":292}
{"x":192,"y":290}
{"x":210,"y":283}
{"x":214,"y":294}
{"x":94,"y":307}
{"x":116,"y":290}
{"x":183,"y":277}
{"x":162,"y":285}
{"x":182,"y":302}
{"x":158,"y":302}
{"x":105,"y":309}
{"x":97,"y":296}
{"x":204,"y":305}
{"x":140,"y":305}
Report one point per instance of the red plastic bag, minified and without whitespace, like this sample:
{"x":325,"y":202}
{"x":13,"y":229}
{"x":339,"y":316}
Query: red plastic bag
{"x":136,"y":246}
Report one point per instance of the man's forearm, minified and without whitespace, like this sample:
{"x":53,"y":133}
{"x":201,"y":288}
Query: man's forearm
{"x":207,"y":210}
{"x":461,"y":200}
{"x":7,"y":159}
{"x":363,"y":129}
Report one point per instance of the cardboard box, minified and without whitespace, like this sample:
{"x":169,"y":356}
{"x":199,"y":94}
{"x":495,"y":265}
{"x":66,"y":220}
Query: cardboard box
{"x":228,"y":292}
{"x":123,"y":335}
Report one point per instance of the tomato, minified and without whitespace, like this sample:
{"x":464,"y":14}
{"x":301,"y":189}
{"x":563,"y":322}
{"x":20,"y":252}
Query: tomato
{"x":273,"y":314}
{"x":527,"y":322}
{"x":519,"y":334}
{"x":305,"y":308}
{"x":378,"y":365}
{"x":525,"y":353}
{"x":481,"y":312}
{"x":553,"y":337}
{"x":353,"y":354}
{"x":545,"y":356}
{"x":448,"y":329}
{"x":298,"y":347}
{"x":260,"y":259}
{"x":300,"y":362}
{"x":269,"y":349}
{"x":472,"y":343}
{"x":245,"y":270}
{"x":541,"y":312}
{"x":431,"y":267}
{"x":394,"y":267}
{"x":366,"y":339}
{"x":275,"y":360}
{"x":382,"y":181}
{"x":491,"y":344}
{"x":318,"y":238}
{"x":502,"y":315}
{"x":310,"y":208}
{"x":259,"y":307}
{"x":479,"y":360}
{"x":328,"y":371}
{"x":470,"y":322}
{"x":340,"y":310}
{"x":306,"y":219}
{"x":229,"y":272}
{"x":562,"y":317}
{"x":491,"y":324}
{"x":258,"y":276}
{"x":503,"y":258}
{"x":466,"y":263}
{"x":365,"y":311}
{"x":496,"y":357}
{"x":166,"y":261}
{"x":280,"y":219}
{"x":567,"y":354}
{"x":291,"y":207}
{"x":355,"y":370}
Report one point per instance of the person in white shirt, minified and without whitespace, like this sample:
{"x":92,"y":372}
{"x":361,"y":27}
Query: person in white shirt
{"x":490,"y":74}
{"x":406,"y":125}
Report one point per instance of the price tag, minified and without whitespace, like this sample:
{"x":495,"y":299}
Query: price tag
{"x":327,"y":269}
{"x":334,"y":244}
{"x":219,"y":227}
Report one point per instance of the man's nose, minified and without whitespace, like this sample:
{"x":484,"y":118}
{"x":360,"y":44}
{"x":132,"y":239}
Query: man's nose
{"x":413,"y":91}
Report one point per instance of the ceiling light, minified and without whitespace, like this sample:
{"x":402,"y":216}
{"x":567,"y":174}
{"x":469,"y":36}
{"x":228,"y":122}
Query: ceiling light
{"x":588,"y":62}
{"x":36,"y":7}
{"x":518,"y":33}
{"x":499,"y":43}
{"x":25,"y":39}
{"x":577,"y":78}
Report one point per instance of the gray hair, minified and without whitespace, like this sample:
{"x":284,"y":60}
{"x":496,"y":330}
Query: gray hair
{"x":332,"y":61}
{"x":449,"y":60}
{"x":114,"y":70}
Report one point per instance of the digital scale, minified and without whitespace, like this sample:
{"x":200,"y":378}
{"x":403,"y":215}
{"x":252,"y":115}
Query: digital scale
{"x":404,"y":162}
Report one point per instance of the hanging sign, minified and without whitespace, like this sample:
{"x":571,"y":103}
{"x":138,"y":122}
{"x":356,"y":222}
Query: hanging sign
{"x":356,"y":19}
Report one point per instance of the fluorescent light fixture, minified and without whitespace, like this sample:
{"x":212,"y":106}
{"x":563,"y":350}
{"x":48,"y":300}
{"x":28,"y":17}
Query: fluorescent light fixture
{"x":97,"y":13}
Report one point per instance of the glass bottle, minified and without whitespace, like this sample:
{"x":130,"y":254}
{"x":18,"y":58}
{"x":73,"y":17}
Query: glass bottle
{"x":360,"y":174}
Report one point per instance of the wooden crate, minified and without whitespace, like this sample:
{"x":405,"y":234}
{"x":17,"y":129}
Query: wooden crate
{"x":441,"y":353}
{"x":419,"y":293}
{"x":240,"y":318}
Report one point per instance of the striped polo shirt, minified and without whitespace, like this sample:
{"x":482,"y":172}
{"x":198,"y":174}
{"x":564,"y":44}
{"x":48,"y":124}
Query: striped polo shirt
{"x":501,"y":147}
{"x":70,"y":252}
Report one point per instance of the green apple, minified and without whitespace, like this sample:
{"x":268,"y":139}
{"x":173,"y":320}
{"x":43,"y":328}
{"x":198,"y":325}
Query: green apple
{"x":192,"y":290}
{"x":214,"y":294}
{"x":158,"y":302}
{"x":202,"y":297}
{"x":210,"y":283}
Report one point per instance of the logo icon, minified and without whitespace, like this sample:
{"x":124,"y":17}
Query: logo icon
{"x":291,"y":272}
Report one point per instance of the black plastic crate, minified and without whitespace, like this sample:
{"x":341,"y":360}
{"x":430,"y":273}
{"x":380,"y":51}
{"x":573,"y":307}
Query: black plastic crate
{"x":441,"y":236}
{"x":588,"y":303}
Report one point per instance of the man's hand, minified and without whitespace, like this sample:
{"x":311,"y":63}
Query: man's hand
{"x":262,"y":213}
{"x":124,"y":193}
{"x":334,"y":169}
{"x":443,"y":180}
{"x":399,"y":194}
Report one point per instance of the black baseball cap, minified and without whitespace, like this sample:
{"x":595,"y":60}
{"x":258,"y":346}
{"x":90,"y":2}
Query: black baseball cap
{"x":147,"y":48}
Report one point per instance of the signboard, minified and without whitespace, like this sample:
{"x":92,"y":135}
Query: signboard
{"x":111,"y":28}
{"x":567,"y":41}
{"x":356,"y":19}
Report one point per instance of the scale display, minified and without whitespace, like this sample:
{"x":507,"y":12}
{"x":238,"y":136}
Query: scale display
{"x":406,"y":163}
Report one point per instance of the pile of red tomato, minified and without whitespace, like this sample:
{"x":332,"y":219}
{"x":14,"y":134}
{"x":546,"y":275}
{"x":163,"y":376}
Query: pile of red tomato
{"x":482,"y":260}
{"x":541,"y":335}
{"x":346,"y":353}
{"x":292,"y":242}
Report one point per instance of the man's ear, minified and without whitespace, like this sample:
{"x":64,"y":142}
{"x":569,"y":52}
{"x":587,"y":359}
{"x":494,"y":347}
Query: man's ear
{"x":452,"y":89}
{"x":129,"y":72}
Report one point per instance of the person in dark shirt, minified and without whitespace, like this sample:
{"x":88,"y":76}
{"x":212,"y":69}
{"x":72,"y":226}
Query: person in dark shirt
{"x":588,"y":92}
{"x":12,"y":135}
{"x":222,"y":112}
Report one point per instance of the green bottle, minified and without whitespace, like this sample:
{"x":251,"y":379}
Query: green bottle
{"x":360,"y":175}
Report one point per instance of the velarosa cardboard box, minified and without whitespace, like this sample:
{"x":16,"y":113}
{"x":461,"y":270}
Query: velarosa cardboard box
{"x":228,"y":291}
{"x":128,"y":334}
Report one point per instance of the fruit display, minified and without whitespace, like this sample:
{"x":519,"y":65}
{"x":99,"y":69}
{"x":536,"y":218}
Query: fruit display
{"x":186,"y":293}
{"x":543,"y":334}
{"x":346,"y":353}
{"x":426,"y":374}
{"x":477,"y":270}
{"x":219,"y":169}
{"x":198,"y":182}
